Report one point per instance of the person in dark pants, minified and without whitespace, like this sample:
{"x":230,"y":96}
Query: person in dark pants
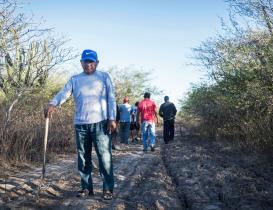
{"x":168,"y":111}
{"x":134,"y":126}
{"x":125,"y":110}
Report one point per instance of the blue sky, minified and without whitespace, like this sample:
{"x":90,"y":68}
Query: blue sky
{"x":154,"y":35}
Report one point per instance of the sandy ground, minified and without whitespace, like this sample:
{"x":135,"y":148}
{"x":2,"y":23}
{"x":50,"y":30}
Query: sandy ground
{"x":141,"y":182}
{"x":188,"y":173}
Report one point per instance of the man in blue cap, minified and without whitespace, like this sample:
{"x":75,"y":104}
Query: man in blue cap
{"x":95,"y":114}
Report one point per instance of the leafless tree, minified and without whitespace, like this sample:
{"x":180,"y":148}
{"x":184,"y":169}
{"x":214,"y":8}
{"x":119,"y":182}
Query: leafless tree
{"x":27,"y":54}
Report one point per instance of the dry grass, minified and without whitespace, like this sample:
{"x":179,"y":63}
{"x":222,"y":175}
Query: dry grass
{"x":22,"y":139}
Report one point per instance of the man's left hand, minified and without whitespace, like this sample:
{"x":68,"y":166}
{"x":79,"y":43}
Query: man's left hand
{"x":111,"y":126}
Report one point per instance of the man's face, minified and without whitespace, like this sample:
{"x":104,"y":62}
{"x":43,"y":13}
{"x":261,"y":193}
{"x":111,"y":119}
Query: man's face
{"x":89,"y":66}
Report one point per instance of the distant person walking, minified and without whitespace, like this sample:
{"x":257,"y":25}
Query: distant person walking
{"x":125,"y":111}
{"x":134,"y":126}
{"x":147,"y":115}
{"x":94,"y":120}
{"x":168,"y":111}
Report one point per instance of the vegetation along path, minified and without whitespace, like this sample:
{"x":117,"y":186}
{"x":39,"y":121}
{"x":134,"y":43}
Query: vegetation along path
{"x":188,"y":173}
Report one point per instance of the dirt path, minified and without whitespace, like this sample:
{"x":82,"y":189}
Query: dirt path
{"x":141,"y":182}
{"x":189,"y":173}
{"x":212,"y":176}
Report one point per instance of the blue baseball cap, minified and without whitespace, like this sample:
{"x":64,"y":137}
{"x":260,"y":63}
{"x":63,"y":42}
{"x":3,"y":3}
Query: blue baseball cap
{"x":89,"y":55}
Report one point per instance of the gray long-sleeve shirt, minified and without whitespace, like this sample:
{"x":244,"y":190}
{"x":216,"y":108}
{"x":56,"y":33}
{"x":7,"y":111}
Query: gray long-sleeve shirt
{"x":94,"y":97}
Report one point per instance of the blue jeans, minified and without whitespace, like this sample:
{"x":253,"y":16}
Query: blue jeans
{"x":95,"y":133}
{"x":148,"y":131}
{"x":124,"y":130}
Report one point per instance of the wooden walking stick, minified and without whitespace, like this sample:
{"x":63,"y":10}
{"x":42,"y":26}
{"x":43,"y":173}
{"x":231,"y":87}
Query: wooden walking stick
{"x":45,"y":146}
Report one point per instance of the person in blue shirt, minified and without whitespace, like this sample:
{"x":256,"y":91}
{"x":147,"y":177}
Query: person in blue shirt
{"x":134,"y":126}
{"x":94,"y":119}
{"x":125,"y":111}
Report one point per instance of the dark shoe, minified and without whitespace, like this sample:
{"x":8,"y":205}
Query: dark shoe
{"x":113,"y":147}
{"x":152,"y":148}
{"x":145,"y":150}
{"x":107,"y":195}
{"x":84,"y":193}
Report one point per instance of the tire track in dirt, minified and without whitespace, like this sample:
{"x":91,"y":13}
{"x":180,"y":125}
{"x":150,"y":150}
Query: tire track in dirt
{"x":153,"y":188}
{"x":182,"y":196}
